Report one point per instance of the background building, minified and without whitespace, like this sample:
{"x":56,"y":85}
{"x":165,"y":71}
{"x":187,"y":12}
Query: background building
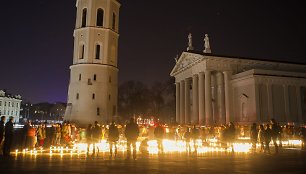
{"x":10,"y":105}
{"x":215,"y":89}
{"x":93,"y":87}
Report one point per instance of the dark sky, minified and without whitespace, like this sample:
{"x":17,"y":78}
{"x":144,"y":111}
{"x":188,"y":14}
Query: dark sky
{"x":36,"y":38}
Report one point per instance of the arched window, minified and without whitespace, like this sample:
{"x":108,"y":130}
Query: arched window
{"x":100,"y":17}
{"x":114,"y":21}
{"x":82,"y":50}
{"x":98,"y":48}
{"x":84,"y":17}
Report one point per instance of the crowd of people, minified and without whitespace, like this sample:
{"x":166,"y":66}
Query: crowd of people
{"x":66,"y":134}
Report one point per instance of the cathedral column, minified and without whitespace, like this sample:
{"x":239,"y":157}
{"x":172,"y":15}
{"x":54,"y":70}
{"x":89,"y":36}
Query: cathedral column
{"x":228,"y":96}
{"x":299,"y":104}
{"x":270,"y":101}
{"x":208,"y":102}
{"x":182,"y":102}
{"x":177,"y":86}
{"x":287,"y":107}
{"x":201,"y":99}
{"x":195,"y":100}
{"x":221,"y":98}
{"x":187,"y":101}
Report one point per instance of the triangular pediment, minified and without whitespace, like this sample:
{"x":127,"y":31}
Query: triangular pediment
{"x":185,"y":61}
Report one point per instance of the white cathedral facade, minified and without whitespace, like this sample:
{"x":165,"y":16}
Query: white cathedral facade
{"x":213,"y":89}
{"x":93,"y":86}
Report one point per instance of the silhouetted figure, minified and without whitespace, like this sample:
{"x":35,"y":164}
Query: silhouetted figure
{"x":131,"y":134}
{"x":159,"y":135}
{"x":8,"y":138}
{"x":230,"y":132}
{"x":25,"y":134}
{"x":303,"y":137}
{"x":254,"y":136}
{"x":267,"y":134}
{"x":275,"y":131}
{"x":88,"y":137}
{"x":2,"y":129}
{"x":261,"y":138}
{"x":113,"y":137}
{"x":195,"y":135}
{"x":187,"y":137}
{"x":96,"y":137}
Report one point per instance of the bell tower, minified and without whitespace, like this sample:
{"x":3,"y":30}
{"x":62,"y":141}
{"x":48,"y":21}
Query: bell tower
{"x":93,"y":86}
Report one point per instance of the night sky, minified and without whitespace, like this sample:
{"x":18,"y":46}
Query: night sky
{"x":37,"y":38}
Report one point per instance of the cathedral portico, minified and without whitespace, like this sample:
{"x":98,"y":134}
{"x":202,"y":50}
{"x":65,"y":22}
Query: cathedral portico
{"x":220,"y":89}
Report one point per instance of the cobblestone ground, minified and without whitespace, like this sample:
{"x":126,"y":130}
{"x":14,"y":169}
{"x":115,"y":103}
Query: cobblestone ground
{"x":288,"y":161}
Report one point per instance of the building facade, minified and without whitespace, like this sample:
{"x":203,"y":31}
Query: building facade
{"x":93,"y":87}
{"x":213,"y":89}
{"x":10,"y":105}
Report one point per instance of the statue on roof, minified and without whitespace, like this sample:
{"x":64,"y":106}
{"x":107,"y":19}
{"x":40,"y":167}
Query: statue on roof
{"x":206,"y":44}
{"x":190,"y":47}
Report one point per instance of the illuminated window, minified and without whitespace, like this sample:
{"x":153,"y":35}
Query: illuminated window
{"x":100,"y":17}
{"x":98,"y":47}
{"x":84,"y":17}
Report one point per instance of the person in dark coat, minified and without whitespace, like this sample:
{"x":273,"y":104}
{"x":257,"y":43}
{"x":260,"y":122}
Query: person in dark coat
{"x":254,"y":136}
{"x":267,"y":138}
{"x":2,"y":129}
{"x":113,"y":137}
{"x":8,"y":139}
{"x":159,"y":135}
{"x":96,"y":137}
{"x":131,"y":134}
{"x":275,"y":131}
{"x":88,"y":137}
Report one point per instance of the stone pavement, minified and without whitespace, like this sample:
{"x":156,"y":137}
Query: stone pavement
{"x":288,"y":161}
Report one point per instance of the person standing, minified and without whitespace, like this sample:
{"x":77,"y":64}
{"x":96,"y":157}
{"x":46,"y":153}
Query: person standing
{"x":96,"y":137}
{"x":261,"y":138}
{"x":267,"y":138}
{"x":8,"y":139}
{"x":195,"y":135}
{"x":89,"y":137}
{"x":254,"y":136}
{"x":41,"y":135}
{"x":113,"y":137}
{"x":131,"y":134}
{"x":231,"y":133}
{"x":187,"y":137}
{"x":2,"y":129}
{"x":274,"y":133}
{"x":159,"y":135}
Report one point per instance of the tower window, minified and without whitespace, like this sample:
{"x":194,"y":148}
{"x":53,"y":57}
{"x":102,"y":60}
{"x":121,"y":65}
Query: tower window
{"x":82,"y":50}
{"x":95,"y":77}
{"x":114,"y":21}
{"x":98,"y":47}
{"x":100,"y":17}
{"x":98,"y":111}
{"x":80,"y":77}
{"x":93,"y":96}
{"x":84,"y":17}
{"x":77,"y":96}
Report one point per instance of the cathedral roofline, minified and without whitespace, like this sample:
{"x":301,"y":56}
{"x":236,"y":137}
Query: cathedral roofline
{"x":244,"y":58}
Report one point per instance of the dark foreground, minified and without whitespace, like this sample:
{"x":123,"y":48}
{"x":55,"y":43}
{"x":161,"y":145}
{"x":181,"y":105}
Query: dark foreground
{"x":288,"y":161}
